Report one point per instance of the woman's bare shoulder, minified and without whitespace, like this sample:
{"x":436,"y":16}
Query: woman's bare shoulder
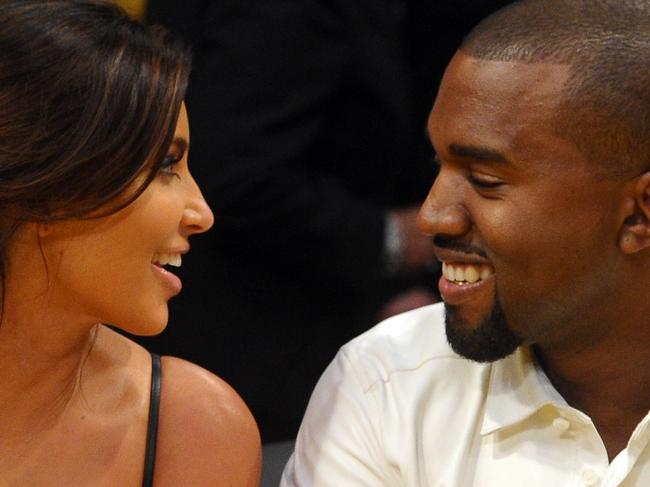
{"x":207,"y":435}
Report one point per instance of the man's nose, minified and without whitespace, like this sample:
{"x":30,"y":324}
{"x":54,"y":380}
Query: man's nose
{"x":444,"y":213}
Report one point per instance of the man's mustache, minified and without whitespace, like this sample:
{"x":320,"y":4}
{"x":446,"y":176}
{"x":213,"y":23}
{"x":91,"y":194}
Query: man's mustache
{"x":451,"y":244}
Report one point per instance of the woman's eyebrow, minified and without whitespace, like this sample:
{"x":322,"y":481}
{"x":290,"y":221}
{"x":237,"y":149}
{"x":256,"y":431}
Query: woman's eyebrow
{"x":181,"y":143}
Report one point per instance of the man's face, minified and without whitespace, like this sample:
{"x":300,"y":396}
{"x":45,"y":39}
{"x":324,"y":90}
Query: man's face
{"x":527,"y":233}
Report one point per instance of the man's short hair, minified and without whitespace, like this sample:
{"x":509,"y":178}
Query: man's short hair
{"x":605,"y":108}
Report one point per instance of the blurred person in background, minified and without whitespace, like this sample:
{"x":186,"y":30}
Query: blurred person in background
{"x":309,"y":141}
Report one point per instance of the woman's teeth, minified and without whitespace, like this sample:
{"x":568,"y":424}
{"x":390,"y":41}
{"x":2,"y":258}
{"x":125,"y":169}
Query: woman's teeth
{"x":167,"y":259}
{"x":466,"y":273}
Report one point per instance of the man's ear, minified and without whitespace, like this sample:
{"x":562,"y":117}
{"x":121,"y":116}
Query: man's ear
{"x":635,"y":232}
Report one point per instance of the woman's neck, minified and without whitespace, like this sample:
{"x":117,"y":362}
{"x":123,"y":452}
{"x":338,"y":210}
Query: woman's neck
{"x":40,"y":370}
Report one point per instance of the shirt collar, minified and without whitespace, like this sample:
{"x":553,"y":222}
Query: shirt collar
{"x":517,"y":389}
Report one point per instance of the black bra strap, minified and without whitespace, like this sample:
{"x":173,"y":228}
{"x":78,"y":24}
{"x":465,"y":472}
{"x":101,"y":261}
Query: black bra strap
{"x":152,"y":426}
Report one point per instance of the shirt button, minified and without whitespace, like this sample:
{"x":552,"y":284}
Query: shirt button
{"x":590,"y":478}
{"x":561,"y":425}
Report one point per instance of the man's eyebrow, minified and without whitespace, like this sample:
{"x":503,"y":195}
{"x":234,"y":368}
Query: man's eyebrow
{"x":478,"y":153}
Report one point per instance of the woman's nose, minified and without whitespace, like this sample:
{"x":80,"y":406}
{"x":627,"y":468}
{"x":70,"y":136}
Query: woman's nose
{"x":197,"y":215}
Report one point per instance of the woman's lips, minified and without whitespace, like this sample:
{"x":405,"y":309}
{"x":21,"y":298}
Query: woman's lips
{"x":171,"y":281}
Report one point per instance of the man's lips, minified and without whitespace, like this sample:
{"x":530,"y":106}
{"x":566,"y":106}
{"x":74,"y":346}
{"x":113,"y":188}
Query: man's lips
{"x":459,"y":256}
{"x":466,"y":278}
{"x":464,"y":273}
{"x":475,"y":294}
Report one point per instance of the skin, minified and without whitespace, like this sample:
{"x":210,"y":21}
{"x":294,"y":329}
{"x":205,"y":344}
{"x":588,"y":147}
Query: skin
{"x":565,"y":244}
{"x":75,"y":395}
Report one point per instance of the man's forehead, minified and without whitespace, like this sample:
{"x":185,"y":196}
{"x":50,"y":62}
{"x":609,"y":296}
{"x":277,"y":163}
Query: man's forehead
{"x":505,"y":106}
{"x":503,"y":82}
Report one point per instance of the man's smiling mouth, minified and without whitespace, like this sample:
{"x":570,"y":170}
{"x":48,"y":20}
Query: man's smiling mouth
{"x":462,"y":273}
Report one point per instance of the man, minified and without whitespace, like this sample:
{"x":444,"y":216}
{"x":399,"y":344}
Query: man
{"x":536,"y":370}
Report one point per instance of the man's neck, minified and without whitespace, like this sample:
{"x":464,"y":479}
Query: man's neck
{"x":607,"y":381}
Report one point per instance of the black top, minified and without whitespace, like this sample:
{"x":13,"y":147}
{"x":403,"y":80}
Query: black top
{"x":152,"y":426}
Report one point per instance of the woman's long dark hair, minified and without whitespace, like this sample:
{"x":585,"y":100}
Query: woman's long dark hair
{"x":88,"y":102}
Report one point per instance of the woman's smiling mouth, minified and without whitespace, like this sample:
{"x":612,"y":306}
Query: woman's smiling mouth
{"x":170,"y":280}
{"x":161,"y":259}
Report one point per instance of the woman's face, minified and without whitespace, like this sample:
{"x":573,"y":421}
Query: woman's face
{"x":114,"y":269}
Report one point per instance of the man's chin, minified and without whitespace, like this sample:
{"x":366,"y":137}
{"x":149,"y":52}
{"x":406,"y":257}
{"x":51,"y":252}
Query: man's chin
{"x":482,"y":339}
{"x":467,"y":319}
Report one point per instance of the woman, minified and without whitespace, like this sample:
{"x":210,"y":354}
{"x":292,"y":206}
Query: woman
{"x":96,"y":202}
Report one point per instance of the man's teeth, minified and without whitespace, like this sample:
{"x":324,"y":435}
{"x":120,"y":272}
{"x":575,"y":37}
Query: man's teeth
{"x":466,"y":273}
{"x":167,"y":259}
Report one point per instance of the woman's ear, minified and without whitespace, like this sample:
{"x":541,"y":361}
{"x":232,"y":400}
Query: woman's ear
{"x":43,"y":230}
{"x":635,"y":232}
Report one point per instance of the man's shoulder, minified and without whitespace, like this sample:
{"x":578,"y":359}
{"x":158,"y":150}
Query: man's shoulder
{"x":385,"y":402}
{"x":412,"y":343}
{"x":421,"y":332}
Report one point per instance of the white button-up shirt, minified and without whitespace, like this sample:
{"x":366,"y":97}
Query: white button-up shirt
{"x":397,"y":407}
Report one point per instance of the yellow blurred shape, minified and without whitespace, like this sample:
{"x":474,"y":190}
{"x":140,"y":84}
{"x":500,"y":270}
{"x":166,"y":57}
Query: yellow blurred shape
{"x":135,"y":8}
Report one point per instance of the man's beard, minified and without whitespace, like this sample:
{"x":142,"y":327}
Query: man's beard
{"x":491,"y":340}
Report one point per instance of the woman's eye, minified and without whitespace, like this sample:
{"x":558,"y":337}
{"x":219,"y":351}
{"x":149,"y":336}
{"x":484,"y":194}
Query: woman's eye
{"x":168,"y":165}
